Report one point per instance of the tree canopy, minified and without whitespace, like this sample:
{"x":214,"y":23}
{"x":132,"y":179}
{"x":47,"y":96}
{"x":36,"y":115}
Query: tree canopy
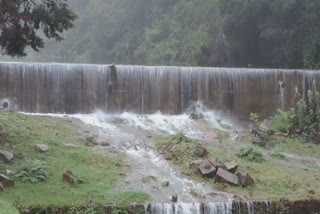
{"x":24,"y":23}
{"x":228,"y":33}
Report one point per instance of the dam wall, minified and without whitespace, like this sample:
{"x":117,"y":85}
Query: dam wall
{"x":82,"y":88}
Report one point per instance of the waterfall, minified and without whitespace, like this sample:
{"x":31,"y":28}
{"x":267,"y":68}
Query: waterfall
{"x":235,"y":207}
{"x":81,"y":88}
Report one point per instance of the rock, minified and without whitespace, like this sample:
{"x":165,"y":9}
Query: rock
{"x":174,"y":198}
{"x":231,"y":166}
{"x":6,"y":181}
{"x":6,"y":155}
{"x":196,"y":116}
{"x":194,"y":166}
{"x":104,"y":143}
{"x":245,"y":179}
{"x":70,"y":145}
{"x":280,"y":134}
{"x":214,"y":162}
{"x":67,"y":177}
{"x":42,"y":148}
{"x":207,"y":169}
{"x":227,"y":177}
{"x":165,"y":184}
{"x":258,"y":142}
{"x":9,"y":172}
{"x":200,"y":151}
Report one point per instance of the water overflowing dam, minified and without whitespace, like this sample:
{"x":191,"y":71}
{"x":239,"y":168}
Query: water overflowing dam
{"x":80,"y":88}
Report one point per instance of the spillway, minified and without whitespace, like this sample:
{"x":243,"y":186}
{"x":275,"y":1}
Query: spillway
{"x":82,"y":88}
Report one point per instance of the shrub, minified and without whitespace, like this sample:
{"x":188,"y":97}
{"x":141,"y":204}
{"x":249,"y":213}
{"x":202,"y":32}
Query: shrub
{"x":7,"y":208}
{"x":282,"y":121}
{"x":33,"y":172}
{"x":78,"y":179}
{"x":251,"y":153}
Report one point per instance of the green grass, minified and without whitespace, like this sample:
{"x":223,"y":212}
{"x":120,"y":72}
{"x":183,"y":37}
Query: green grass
{"x":297,"y":146}
{"x":101,"y":171}
{"x":7,"y":208}
{"x":273,"y":180}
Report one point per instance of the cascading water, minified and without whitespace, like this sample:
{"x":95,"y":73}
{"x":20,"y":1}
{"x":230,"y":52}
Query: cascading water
{"x":72,"y":88}
{"x":154,"y":99}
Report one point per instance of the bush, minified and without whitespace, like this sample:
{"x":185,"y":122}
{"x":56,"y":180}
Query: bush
{"x":7,"y":208}
{"x":282,"y":121}
{"x":33,"y":172}
{"x":251,"y":153}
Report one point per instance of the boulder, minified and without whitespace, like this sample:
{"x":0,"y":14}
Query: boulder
{"x":42,"y":148}
{"x":258,"y":142}
{"x":231,"y":166}
{"x":70,"y":145}
{"x":174,"y":198}
{"x":194,"y":166}
{"x":6,"y":181}
{"x":245,"y":179}
{"x":214,"y":162}
{"x":6,"y":155}
{"x":196,"y":116}
{"x":207,"y":169}
{"x":227,"y":177}
{"x":165,"y":184}
{"x":280,"y":134}
{"x":67,"y":177}
{"x":9,"y":172}
{"x":200,"y":151}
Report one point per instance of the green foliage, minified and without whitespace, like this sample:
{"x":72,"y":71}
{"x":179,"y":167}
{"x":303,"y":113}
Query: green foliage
{"x":251,"y":153}
{"x":7,"y":208}
{"x":21,"y":21}
{"x":180,"y":137}
{"x":33,"y":172}
{"x":282,"y":121}
{"x":307,"y":117}
{"x":87,"y":210}
{"x":277,"y":154}
{"x":77,"y":178}
{"x":254,"y":117}
{"x":224,"y":126}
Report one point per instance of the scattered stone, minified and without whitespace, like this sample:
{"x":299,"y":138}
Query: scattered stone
{"x":42,"y":148}
{"x":9,"y":172}
{"x":214,"y":162}
{"x":196,"y":116}
{"x":280,"y":134}
{"x":245,"y":179}
{"x":149,"y":179}
{"x":165,"y":184}
{"x":258,"y":142}
{"x":207,"y":169}
{"x":194,"y":166}
{"x":231,"y":166}
{"x":6,"y":155}
{"x":174,"y":198}
{"x":200,"y":151}
{"x":104,"y":143}
{"x":70,"y":145}
{"x":67,"y":177}
{"x":6,"y":181}
{"x":225,"y":176}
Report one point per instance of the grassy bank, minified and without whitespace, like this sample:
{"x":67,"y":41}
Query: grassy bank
{"x":275,"y":178}
{"x":19,"y":135}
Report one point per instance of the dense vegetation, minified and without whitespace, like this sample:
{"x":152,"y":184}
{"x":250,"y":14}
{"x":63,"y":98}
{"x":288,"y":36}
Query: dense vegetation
{"x":259,"y":33}
{"x":24,"y":23}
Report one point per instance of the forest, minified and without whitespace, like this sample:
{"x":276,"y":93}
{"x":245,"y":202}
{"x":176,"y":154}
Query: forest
{"x":215,"y":33}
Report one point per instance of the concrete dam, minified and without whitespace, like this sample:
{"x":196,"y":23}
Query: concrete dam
{"x":82,"y":88}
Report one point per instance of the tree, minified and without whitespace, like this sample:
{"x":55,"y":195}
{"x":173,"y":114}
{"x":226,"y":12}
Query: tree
{"x":25,"y":23}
